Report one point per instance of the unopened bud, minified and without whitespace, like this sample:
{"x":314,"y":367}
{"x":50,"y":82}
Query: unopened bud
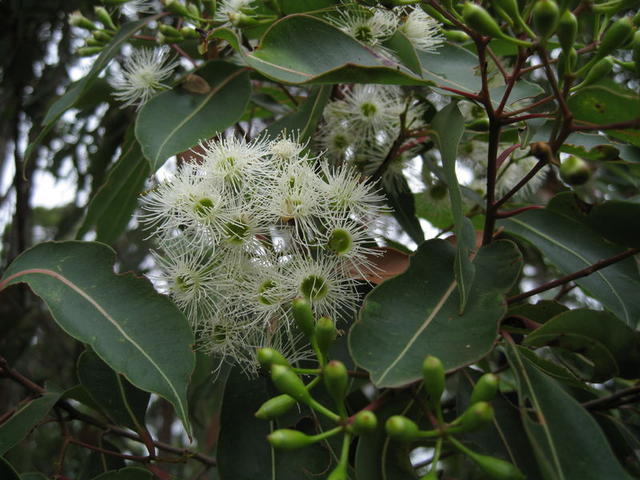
{"x":433,"y":374}
{"x":475,"y":417}
{"x":364,"y":422}
{"x":105,"y":18}
{"x":286,"y":439}
{"x":614,"y":37}
{"x":275,"y":407}
{"x":496,"y":468}
{"x":485,"y":389}
{"x":567,"y":30}
{"x":336,"y":380}
{"x":545,"y":15}
{"x":76,"y":19}
{"x":575,"y":171}
{"x":303,"y":316}
{"x":289,"y":383}
{"x":268,"y":357}
{"x":401,"y":428}
{"x":325,"y":334}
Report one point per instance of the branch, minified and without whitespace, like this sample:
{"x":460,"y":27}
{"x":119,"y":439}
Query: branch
{"x":635,"y":123}
{"x":606,"y":403}
{"x":579,"y":274}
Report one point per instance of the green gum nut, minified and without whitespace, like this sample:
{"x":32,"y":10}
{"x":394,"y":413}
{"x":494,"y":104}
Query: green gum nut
{"x":614,"y":37}
{"x":601,"y":69}
{"x":478,"y":19}
{"x":433,"y":374}
{"x":497,"y":469}
{"x":303,"y":316}
{"x":457,"y":36}
{"x":545,"y":15}
{"x":286,"y":439}
{"x":336,"y":380}
{"x":475,"y":417}
{"x":325,"y":334}
{"x":401,"y":428}
{"x":485,"y":389}
{"x":575,"y":171}
{"x":274,"y":407}
{"x":268,"y":357}
{"x":289,"y":383}
{"x":567,"y":30}
{"x":365,"y":422}
{"x":104,"y":17}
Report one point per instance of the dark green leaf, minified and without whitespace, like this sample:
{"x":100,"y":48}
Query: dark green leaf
{"x":176,"y":120}
{"x":136,"y":331}
{"x":610,"y":344}
{"x":113,"y":204}
{"x":571,"y":245}
{"x":401,"y":200}
{"x":7,"y":472}
{"x":120,"y":400}
{"x":127,"y":473}
{"x":448,"y":125}
{"x":243,"y":450}
{"x":416,"y":314}
{"x":539,"y":312}
{"x":305,"y":119}
{"x":26,"y":418}
{"x":617,"y":221}
{"x":567,"y":441}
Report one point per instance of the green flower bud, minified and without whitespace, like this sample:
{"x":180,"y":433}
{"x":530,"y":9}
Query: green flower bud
{"x":567,"y":30}
{"x":92,"y":42}
{"x":567,"y":62}
{"x":601,"y":69}
{"x":339,"y":473}
{"x":510,"y":7}
{"x":475,"y":417}
{"x":336,"y":380}
{"x":193,"y":10}
{"x":163,"y":39}
{"x":169,"y":31}
{"x":303,"y":316}
{"x":614,"y":37}
{"x":274,"y":407}
{"x":575,"y":171}
{"x":286,"y":439}
{"x":89,"y":51}
{"x":545,"y":15}
{"x":104,"y":17}
{"x":188,"y":32}
{"x":76,"y":19}
{"x":176,"y":7}
{"x":485,"y":389}
{"x":102,"y":36}
{"x":325,"y":334}
{"x":364,"y":422}
{"x":433,"y":374}
{"x":496,"y":468}
{"x":480,"y":20}
{"x":457,"y":36}
{"x":401,"y":428}
{"x":288,"y":382}
{"x":268,"y":357}
{"x":479,"y":124}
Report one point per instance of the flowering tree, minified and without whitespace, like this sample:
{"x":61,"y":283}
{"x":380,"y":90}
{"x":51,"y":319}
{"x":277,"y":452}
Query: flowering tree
{"x":382,"y":240}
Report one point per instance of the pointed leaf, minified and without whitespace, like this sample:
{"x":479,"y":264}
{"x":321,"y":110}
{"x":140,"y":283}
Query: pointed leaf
{"x":176,"y":120}
{"x":613,"y":221}
{"x":416,"y":314}
{"x":567,"y":441}
{"x":121,"y":401}
{"x":26,"y":418}
{"x":400,"y":199}
{"x":448,"y":125}
{"x":136,"y":331}
{"x":305,"y":119}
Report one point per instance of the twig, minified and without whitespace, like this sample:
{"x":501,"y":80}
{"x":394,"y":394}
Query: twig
{"x":635,"y":123}
{"x":579,"y":274}
{"x":517,"y":211}
{"x":605,"y":403}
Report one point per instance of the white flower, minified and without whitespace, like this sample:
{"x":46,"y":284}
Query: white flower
{"x":138,"y":7}
{"x":369,"y":109}
{"x":367,"y":25}
{"x":423,"y":31}
{"x":142,"y":76}
{"x":232,"y":10}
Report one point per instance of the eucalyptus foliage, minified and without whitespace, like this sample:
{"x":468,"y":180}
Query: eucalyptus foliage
{"x":329,"y":239}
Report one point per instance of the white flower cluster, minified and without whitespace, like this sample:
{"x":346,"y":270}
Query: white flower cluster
{"x":249,"y":226}
{"x":372,"y":26}
{"x":360,"y":128}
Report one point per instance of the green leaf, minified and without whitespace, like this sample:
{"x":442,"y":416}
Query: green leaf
{"x":425,"y":299}
{"x":611,"y":345}
{"x":539,"y":312}
{"x":305,"y":119}
{"x":302,"y":49}
{"x":136,"y":331}
{"x":571,"y":245}
{"x":26,"y":418}
{"x":111,"y":207}
{"x":243,"y":451}
{"x":121,"y":401}
{"x":7,"y":472}
{"x":399,"y":44}
{"x":448,"y":125}
{"x":616,"y":221}
{"x":400,"y":199}
{"x":607,"y":103}
{"x":127,"y":473}
{"x":176,"y":120}
{"x":567,"y":441}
